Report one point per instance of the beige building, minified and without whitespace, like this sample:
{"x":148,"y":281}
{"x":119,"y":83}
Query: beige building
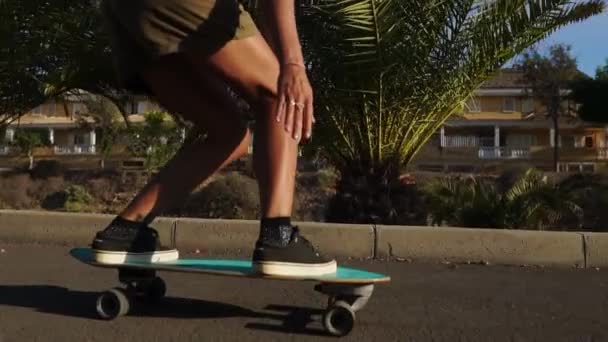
{"x":502,"y":127}
{"x":60,"y":124}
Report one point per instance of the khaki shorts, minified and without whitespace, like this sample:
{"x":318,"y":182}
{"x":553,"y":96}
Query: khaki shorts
{"x":142,"y":31}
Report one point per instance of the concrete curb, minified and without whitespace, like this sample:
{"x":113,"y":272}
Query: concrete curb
{"x":507,"y":247}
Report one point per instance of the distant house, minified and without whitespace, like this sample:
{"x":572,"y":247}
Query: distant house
{"x":502,"y":126}
{"x":60,"y":124}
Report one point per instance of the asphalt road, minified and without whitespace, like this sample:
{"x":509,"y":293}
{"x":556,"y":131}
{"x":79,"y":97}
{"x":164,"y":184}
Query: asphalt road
{"x":47,"y":296}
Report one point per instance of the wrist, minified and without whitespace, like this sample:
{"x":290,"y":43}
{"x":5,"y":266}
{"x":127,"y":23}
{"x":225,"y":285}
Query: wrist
{"x":293,"y":64}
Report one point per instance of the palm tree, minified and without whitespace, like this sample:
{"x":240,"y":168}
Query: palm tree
{"x":48,"y":48}
{"x":389,"y":73}
{"x":530,"y":203}
{"x":26,"y":141}
{"x":548,"y":78}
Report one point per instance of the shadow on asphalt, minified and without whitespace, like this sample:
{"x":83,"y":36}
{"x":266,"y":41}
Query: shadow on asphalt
{"x":81,"y":304}
{"x":292,"y":320}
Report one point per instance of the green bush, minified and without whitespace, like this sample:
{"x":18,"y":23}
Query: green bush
{"x":77,"y":199}
{"x":327,"y":178}
{"x":230,"y":196}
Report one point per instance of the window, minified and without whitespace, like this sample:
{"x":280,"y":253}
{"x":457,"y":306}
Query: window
{"x":142,"y":107}
{"x":521,"y":140}
{"x":577,"y":167}
{"x":474,"y":105}
{"x":588,"y":168}
{"x":78,"y":139}
{"x":508,"y":105}
{"x":37,"y":110}
{"x":51,"y":108}
{"x":588,"y":141}
{"x":527,"y":105}
{"x":131,"y":107}
{"x":573,"y":168}
{"x":567,"y":141}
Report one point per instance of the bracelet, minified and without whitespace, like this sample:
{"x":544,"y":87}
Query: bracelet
{"x":295,"y":64}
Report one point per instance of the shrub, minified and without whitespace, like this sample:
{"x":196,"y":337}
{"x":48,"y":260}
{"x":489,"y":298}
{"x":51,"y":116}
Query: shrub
{"x":230,"y":196}
{"x":374,"y":200}
{"x":77,"y":199}
{"x":40,"y":189}
{"x":103,"y":189}
{"x":327,"y":178}
{"x":73,"y":199}
{"x":14,"y":191}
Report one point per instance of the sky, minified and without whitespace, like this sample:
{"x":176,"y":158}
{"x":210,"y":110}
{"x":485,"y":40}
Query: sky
{"x":589,"y":41}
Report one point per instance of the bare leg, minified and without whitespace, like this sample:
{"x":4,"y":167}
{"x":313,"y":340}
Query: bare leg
{"x":251,"y":67}
{"x":206,"y":103}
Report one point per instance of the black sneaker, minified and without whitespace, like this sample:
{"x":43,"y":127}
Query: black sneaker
{"x":125,"y":241}
{"x":298,"y":258}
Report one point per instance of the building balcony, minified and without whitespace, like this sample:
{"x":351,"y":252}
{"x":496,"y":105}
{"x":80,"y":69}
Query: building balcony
{"x":75,"y":149}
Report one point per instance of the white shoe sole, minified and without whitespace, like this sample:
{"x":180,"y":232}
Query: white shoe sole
{"x":116,"y":258}
{"x":287,"y":269}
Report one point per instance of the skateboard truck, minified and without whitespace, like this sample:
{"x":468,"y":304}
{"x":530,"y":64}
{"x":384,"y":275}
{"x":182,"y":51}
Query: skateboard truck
{"x":344,"y":300}
{"x":139,"y":284}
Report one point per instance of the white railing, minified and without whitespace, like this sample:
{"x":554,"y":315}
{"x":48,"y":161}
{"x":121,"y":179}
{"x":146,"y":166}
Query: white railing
{"x":461,"y":141}
{"x":503,"y":153}
{"x":464,"y":141}
{"x":602,"y":153}
{"x":75,"y":149}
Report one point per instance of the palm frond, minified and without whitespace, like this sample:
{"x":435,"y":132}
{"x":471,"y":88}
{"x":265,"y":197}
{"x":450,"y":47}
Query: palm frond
{"x":389,"y":73}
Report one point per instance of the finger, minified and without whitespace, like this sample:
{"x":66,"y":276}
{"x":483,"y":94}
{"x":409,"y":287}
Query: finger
{"x":297,"y":124}
{"x":280,"y":107}
{"x":309,"y":118}
{"x":289,"y":111}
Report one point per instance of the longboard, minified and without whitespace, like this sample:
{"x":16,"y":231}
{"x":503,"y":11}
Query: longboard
{"x":233,"y":268}
{"x":348,"y":289}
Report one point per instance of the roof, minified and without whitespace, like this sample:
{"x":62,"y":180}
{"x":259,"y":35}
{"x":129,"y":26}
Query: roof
{"x":511,"y":78}
{"x":506,"y":78}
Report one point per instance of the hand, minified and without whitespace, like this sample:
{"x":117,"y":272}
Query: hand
{"x":295,"y":105}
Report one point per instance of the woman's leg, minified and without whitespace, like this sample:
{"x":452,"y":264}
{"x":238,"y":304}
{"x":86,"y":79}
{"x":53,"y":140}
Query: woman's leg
{"x":252,"y":68}
{"x":207,"y":103}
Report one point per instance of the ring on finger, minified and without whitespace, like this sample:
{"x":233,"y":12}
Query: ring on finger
{"x":298,"y":105}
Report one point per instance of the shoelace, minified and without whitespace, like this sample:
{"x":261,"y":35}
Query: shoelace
{"x":122,"y":230}
{"x":297,"y":236}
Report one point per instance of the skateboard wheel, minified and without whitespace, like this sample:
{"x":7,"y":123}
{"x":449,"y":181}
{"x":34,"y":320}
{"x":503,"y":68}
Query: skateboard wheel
{"x":339,"y":319}
{"x":112,"y":304}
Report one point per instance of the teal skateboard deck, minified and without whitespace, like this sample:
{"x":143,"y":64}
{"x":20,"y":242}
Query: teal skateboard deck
{"x":233,"y":267}
{"x":348,"y":290}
